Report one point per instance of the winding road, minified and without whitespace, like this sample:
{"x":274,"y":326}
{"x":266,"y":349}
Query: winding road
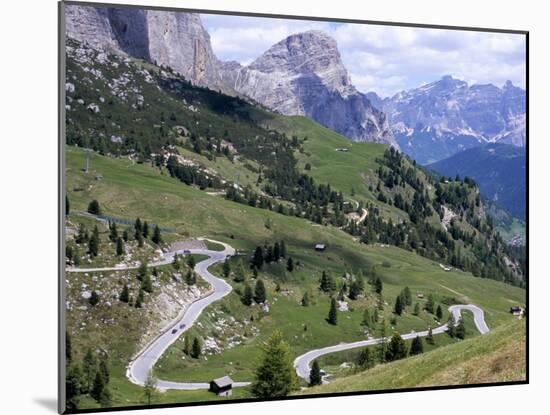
{"x":144,"y":361}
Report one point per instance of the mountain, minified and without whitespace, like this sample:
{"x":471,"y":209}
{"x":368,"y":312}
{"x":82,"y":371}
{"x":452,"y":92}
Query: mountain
{"x":301,"y":75}
{"x":442,"y":118}
{"x":498,"y":169}
{"x":304,"y":75}
{"x":170,"y":39}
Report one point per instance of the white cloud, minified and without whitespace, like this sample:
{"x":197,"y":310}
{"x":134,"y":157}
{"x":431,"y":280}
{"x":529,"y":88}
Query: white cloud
{"x":384,"y":59}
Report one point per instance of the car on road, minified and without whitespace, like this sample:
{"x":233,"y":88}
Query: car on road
{"x":186,"y":251}
{"x":174,"y":331}
{"x":182,"y":326}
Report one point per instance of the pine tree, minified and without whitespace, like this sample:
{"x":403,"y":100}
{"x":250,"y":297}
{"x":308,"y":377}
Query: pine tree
{"x":157,"y":237}
{"x":417,"y":346}
{"x":75,"y":384}
{"x":378,"y":286}
{"x":398,"y":308}
{"x":315,"y":374}
{"x":138,"y":228}
{"x":191,"y":262}
{"x":416,"y":309}
{"x":89,"y":369}
{"x":365,"y":360}
{"x":145,"y":230}
{"x":196,"y":348}
{"x":119,"y":247}
{"x":125,"y":235}
{"x":258,"y":258}
{"x":290,"y":264}
{"x":305,"y":300}
{"x":439,"y":312}
{"x":187,"y":345}
{"x":247,"y":296}
{"x":139,"y":239}
{"x":275,"y":376}
{"x":382,"y":347}
{"x":124,"y":295}
{"x":226,"y":269}
{"x":333,"y":312}
{"x":430,"y":304}
{"x":105,"y":398}
{"x":113,"y":232}
{"x":94,"y":208}
{"x":98,"y":386}
{"x":451,"y":326}
{"x":139,"y":299}
{"x":460,"y":329}
{"x":408,"y":296}
{"x":397,"y":348}
{"x":240,"y":274}
{"x":94,"y":298}
{"x":259,"y":292}
{"x":143,"y":271}
{"x":190,"y":278}
{"x":355,"y":290}
{"x":93,"y":243}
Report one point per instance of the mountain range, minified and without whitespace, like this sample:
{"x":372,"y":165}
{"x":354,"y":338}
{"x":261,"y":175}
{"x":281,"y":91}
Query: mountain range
{"x":498,"y":169}
{"x":303,"y":74}
{"x":441,"y":118}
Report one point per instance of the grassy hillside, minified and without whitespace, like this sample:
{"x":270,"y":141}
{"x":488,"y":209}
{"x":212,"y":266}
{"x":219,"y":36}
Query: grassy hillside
{"x":498,"y":356}
{"x":128,"y":190}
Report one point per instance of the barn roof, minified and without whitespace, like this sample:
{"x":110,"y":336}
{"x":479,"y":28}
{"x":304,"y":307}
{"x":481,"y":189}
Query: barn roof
{"x":223,"y":381}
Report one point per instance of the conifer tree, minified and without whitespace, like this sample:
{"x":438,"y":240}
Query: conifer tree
{"x":398,"y":308}
{"x":283,"y":249}
{"x":365,"y":360}
{"x":416,"y":309}
{"x":367,"y":319}
{"x":315,"y":374}
{"x":290,"y":264}
{"x":259,"y":292}
{"x":145,"y":230}
{"x":187,"y":345}
{"x":460,"y":329}
{"x":125,"y":294}
{"x":247,"y":296}
{"x":191,"y":262}
{"x":113,"y":232}
{"x":196,"y":348}
{"x":226,"y":269}
{"x":94,"y":208}
{"x":147,"y":284}
{"x":397,"y":348}
{"x":378,"y":286}
{"x":125,"y":235}
{"x":333,"y":312}
{"x":138,"y":228}
{"x":417,"y":346}
{"x":430,"y":304}
{"x":89,"y":369}
{"x":97,"y":388}
{"x":150,"y":388}
{"x":143,"y":270}
{"x":93,"y":243}
{"x":157,"y":237}
{"x":305,"y":300}
{"x":407,"y":296}
{"x":119,"y":247}
{"x":139,"y":299}
{"x":439,"y":312}
{"x":275,"y":376}
{"x":94,"y":298}
{"x":451,"y":326}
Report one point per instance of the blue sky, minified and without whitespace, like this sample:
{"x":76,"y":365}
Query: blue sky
{"x":384,"y":59}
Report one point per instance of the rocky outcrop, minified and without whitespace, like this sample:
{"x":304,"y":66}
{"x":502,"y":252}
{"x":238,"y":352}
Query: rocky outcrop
{"x":173,"y":39}
{"x":304,"y":75}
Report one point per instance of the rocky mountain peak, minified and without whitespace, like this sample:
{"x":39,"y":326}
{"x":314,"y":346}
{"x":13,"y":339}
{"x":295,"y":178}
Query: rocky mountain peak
{"x":312,"y":53}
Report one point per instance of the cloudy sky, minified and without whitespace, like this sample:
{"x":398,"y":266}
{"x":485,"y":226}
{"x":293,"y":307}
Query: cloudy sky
{"x":384,"y":59}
